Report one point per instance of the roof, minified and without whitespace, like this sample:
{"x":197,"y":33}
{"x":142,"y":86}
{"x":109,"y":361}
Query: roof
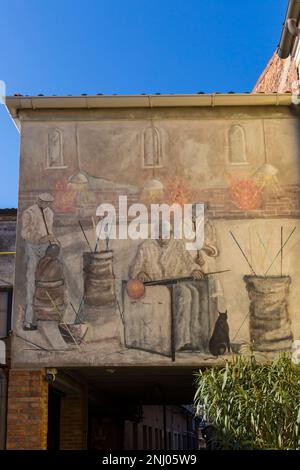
{"x":11,"y":211}
{"x":8,"y":215}
{"x":17,"y":104}
{"x":287,"y":40}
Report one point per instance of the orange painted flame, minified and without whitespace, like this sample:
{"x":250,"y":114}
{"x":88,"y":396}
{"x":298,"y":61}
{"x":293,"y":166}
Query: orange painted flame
{"x":64,"y":196}
{"x":245,"y":194}
{"x":177,"y":191}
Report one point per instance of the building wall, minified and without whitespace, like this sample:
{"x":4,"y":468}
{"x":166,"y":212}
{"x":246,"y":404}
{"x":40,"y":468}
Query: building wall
{"x":149,"y":434}
{"x":209,"y":155}
{"x":73,"y":411}
{"x":279,"y":76}
{"x":27,"y":413}
{"x":8,"y":224}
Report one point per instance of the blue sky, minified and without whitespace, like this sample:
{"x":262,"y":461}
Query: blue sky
{"x":127,"y":47}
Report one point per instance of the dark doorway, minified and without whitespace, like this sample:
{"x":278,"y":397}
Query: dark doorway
{"x":53,"y":438}
{"x":105,"y":429}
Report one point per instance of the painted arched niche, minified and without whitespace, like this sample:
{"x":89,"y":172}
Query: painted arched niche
{"x":151,"y":148}
{"x":55,"y":151}
{"x":237,"y":145}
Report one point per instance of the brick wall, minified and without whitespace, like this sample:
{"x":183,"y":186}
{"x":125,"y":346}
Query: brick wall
{"x":27,"y":412}
{"x":73,"y":422}
{"x":220,"y":205}
{"x":277,"y":77}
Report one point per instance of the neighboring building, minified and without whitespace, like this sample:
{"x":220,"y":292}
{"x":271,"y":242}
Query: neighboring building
{"x":278,"y":76}
{"x":8,"y":222}
{"x":282,"y":72}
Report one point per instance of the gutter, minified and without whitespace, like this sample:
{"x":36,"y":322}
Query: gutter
{"x":16,"y":104}
{"x":287,"y":38}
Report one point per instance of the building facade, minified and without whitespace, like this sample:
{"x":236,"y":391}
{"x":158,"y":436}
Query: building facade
{"x":106,"y":328}
{"x":76,"y":307}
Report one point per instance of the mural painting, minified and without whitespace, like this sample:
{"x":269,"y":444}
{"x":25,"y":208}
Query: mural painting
{"x":94,"y":300}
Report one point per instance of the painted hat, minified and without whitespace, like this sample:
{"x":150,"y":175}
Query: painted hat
{"x":46,"y":197}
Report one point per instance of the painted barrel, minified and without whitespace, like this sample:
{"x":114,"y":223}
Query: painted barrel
{"x":270,"y":326}
{"x":99,"y":279}
{"x":49,"y":300}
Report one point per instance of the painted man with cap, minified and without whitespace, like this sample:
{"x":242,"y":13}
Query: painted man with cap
{"x":37,"y":231}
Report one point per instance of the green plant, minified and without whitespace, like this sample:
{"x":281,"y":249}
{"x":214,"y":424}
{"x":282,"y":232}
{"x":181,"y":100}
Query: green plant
{"x":252,"y":405}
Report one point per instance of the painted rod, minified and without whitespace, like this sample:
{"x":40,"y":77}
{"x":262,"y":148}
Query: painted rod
{"x":280,"y":250}
{"x":160,"y":282}
{"x":84,"y":234}
{"x":61,"y":318}
{"x":239,"y":246}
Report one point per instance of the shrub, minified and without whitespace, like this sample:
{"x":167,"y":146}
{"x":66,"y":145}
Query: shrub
{"x":252,"y":405}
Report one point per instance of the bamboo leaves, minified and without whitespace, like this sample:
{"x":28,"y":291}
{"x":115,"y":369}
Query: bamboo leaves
{"x":253,"y":405}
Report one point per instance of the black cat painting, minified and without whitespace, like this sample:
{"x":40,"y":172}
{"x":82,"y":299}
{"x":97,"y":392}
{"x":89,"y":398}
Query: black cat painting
{"x":219,"y":340}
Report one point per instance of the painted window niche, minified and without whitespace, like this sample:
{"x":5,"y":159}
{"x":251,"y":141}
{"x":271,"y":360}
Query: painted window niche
{"x":151,"y":148}
{"x":55,"y":158}
{"x":237,"y":146}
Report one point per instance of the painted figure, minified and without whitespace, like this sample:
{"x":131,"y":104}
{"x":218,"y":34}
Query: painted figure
{"x":37,"y":231}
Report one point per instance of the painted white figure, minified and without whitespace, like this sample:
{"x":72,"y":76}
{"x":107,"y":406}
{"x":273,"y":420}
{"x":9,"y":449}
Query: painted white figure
{"x":37,"y":231}
{"x":168,"y":259}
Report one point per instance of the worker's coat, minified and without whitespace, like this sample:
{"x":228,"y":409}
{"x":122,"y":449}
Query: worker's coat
{"x":167,"y":262}
{"x":33,"y":224}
